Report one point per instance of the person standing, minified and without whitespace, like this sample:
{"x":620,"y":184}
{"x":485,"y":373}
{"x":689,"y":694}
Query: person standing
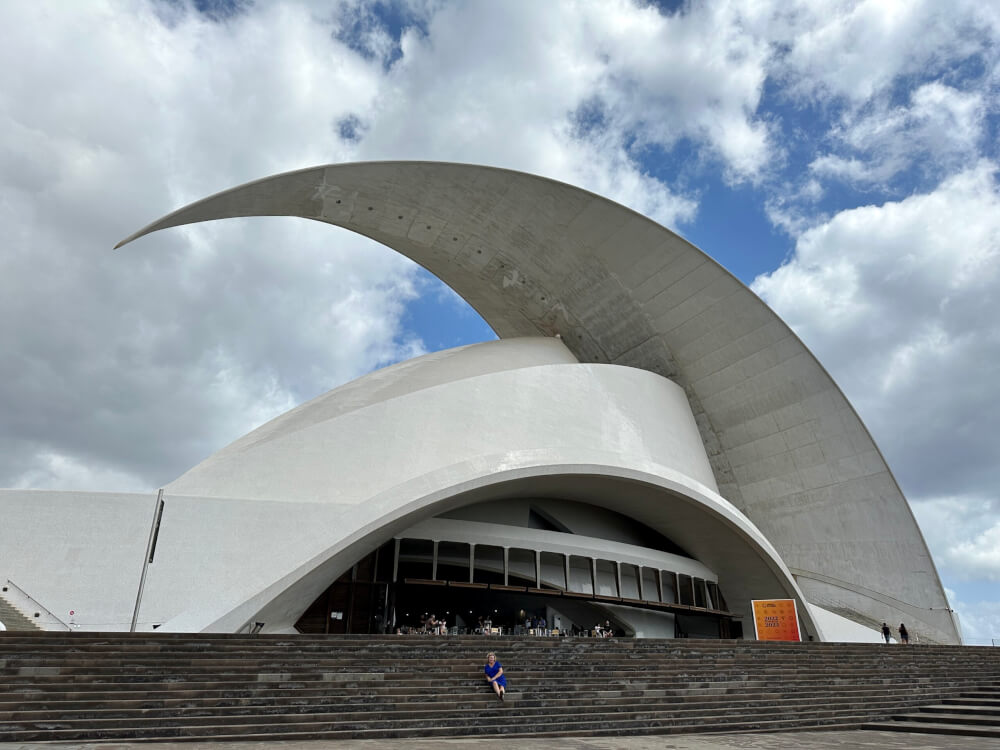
{"x":903,"y":635}
{"x":494,"y":675}
{"x":886,"y":633}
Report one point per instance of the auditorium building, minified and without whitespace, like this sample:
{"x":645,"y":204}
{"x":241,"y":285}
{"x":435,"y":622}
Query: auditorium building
{"x":646,"y":444}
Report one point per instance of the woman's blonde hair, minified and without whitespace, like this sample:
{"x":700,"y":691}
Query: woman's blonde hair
{"x":489,"y":655}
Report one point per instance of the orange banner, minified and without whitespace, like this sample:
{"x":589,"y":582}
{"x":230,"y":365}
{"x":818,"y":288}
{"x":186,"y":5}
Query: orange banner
{"x":775,"y":620}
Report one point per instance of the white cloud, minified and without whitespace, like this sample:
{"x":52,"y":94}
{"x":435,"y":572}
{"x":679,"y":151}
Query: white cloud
{"x":853,"y":50}
{"x":939,"y":132}
{"x":963,"y":533}
{"x":900,"y":302}
{"x":139,"y":363}
{"x":981,"y":553}
{"x":573,"y":90}
{"x":875,"y":95}
{"x":979,"y":620}
{"x":129,"y":367}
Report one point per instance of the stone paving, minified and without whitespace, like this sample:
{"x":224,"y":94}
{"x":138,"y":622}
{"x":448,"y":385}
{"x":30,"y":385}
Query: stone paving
{"x":829,"y":740}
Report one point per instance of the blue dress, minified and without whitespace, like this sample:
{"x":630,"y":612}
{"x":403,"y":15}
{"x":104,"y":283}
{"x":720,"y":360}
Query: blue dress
{"x":491,"y":673}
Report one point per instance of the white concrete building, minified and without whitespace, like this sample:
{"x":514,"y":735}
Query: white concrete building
{"x":647,"y":443}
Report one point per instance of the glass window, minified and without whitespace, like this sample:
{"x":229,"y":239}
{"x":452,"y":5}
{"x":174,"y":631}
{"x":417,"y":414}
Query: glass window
{"x":521,"y":564}
{"x":686,"y":594}
{"x":630,"y":581}
{"x":416,"y":558}
{"x":489,"y":564}
{"x":650,"y":591}
{"x":386,"y":558}
{"x":580,"y":575}
{"x":453,"y":561}
{"x":715,"y":596}
{"x":553,"y":571}
{"x":668,"y":583}
{"x":699,"y":592}
{"x":607,"y":578}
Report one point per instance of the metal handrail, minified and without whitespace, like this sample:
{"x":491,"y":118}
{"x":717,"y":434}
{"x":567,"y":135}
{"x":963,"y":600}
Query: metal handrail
{"x":37,"y":604}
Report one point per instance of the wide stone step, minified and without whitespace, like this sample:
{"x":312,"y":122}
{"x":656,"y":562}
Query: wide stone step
{"x":441,"y":716}
{"x":524,"y":698}
{"x":501,"y":723}
{"x":527,"y":699}
{"x":210,"y":691}
{"x":34,"y":669}
{"x":981,"y":696}
{"x":412,"y":687}
{"x":471,"y":709}
{"x":595,"y":649}
{"x":964,"y":708}
{"x":13,"y":665}
{"x":967,"y":730}
{"x":380,"y":650}
{"x":97,"y":665}
{"x":534,"y":698}
{"x":949,"y":718}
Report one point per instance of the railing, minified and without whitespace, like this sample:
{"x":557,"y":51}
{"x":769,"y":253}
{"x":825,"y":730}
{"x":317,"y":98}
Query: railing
{"x":27,"y":603}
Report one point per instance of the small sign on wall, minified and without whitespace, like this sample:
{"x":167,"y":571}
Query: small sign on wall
{"x":775,"y":620}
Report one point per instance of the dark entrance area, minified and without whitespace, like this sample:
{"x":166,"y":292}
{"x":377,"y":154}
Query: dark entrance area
{"x":357,"y":602}
{"x":381,"y":594}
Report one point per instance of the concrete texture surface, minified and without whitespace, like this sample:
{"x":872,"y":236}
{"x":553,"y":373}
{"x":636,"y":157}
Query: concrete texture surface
{"x":537,"y":257}
{"x":827,"y":740}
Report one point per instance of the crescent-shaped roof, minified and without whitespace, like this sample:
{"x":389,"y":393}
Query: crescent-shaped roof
{"x":536,"y":257}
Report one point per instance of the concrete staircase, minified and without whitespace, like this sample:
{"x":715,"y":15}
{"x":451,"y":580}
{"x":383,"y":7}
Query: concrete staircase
{"x":972,"y":714}
{"x":85,"y":686}
{"x":12,"y":618}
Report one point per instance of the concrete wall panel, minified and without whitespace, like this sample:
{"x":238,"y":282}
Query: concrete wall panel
{"x":79,"y":551}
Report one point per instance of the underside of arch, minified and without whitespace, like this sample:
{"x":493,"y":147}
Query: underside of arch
{"x":714,"y":533}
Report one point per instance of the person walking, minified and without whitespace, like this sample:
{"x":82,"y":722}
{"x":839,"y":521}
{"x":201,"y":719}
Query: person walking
{"x":903,"y":635}
{"x":886,"y":633}
{"x":494,"y":675}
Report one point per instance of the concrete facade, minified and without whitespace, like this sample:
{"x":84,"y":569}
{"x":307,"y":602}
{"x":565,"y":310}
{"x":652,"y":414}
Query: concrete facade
{"x":631,"y":366}
{"x":258,"y":530}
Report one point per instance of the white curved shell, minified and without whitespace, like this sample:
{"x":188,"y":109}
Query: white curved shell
{"x":537,"y":258}
{"x":524,"y":419}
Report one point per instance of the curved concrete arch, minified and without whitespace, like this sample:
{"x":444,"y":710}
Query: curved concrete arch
{"x":537,"y":257}
{"x":715,"y":532}
{"x":322,"y":454}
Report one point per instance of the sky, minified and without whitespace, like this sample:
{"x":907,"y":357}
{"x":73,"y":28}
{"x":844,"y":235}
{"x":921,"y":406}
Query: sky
{"x":840,"y":158}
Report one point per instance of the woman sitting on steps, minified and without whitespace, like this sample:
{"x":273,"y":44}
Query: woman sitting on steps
{"x":494,"y":675}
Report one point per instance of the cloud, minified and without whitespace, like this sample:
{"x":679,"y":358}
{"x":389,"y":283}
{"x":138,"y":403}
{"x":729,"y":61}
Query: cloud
{"x":939,"y":132}
{"x":577,"y":90}
{"x":963,"y":533}
{"x":900,"y":302}
{"x":135,"y":365}
{"x":979,"y":620}
{"x":851,"y":51}
{"x":121,"y":370}
{"x":873,"y":100}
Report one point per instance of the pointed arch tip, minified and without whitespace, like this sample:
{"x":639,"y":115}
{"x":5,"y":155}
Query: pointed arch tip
{"x":124,"y":242}
{"x":134,"y":236}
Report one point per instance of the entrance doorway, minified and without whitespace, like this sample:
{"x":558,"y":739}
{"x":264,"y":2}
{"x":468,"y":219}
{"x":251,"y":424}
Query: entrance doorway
{"x":373,"y":597}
